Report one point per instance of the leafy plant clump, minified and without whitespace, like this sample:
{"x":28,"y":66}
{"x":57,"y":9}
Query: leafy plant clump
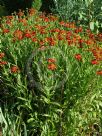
{"x":50,"y":77}
{"x":87,"y":13}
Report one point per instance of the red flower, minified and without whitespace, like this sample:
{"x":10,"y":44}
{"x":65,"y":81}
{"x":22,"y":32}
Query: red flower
{"x":42,"y":47}
{"x":51,"y":60}
{"x":27,"y":35}
{"x":99,"y":72}
{"x":43,"y":31}
{"x":80,"y":29}
{"x":53,"y":18}
{"x":91,"y":36}
{"x":2,"y":55}
{"x":55,"y":30}
{"x":3,"y":63}
{"x":23,"y":21}
{"x":76,"y":30}
{"x":41,"y":42}
{"x":97,"y":53}
{"x":51,"y":66}
{"x":18,"y":34}
{"x":89,"y":42}
{"x":14,"y":69}
{"x":8,"y":22}
{"x":78,"y":57}
{"x":32,"y":11}
{"x":70,"y":41}
{"x":6,"y":30}
{"x":33,"y":33}
{"x":51,"y":41}
{"x":93,"y":62}
{"x":62,"y":23}
{"x":59,"y":37}
{"x":9,"y":17}
{"x":34,"y":39}
{"x":20,"y":13}
{"x":46,"y":19}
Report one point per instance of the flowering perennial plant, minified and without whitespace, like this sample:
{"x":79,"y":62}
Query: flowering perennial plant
{"x":49,"y":67}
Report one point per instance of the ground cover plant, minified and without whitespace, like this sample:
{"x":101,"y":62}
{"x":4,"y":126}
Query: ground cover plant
{"x":50,"y":77}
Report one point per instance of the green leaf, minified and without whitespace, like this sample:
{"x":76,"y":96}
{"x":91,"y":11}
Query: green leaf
{"x":37,"y":4}
{"x":92,"y":25}
{"x":30,"y":120}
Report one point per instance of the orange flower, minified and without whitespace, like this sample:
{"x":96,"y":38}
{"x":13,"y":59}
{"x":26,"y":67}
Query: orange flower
{"x":20,"y":13}
{"x":97,"y":53}
{"x":62,"y":23}
{"x":43,"y":31}
{"x":3,"y":63}
{"x":53,"y":18}
{"x":89,"y":42}
{"x":8,"y":22}
{"x":9,"y":17}
{"x":33,"y":33}
{"x":93,"y":62}
{"x":42,"y":47}
{"x":99,"y":72}
{"x":51,"y":41}
{"x":2,"y":55}
{"x":32,"y":11}
{"x":18,"y":34}
{"x":78,"y":57}
{"x":59,"y":37}
{"x":23,"y":21}
{"x":69,"y":41}
{"x":14,"y":69}
{"x":46,"y":19}
{"x":51,"y":60}
{"x":27,"y":35}
{"x":6,"y":30}
{"x":41,"y":42}
{"x":55,"y":30}
{"x":34,"y":39}
{"x":51,"y":66}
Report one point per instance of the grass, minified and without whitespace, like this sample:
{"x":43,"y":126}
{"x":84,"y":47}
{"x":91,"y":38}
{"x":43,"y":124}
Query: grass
{"x":50,"y":74}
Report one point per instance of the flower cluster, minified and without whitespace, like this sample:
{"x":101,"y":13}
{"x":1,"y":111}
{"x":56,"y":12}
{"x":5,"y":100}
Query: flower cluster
{"x":51,"y":64}
{"x":42,"y":31}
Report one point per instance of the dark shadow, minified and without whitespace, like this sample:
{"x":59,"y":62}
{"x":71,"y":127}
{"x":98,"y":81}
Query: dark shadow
{"x":15,"y":5}
{"x":47,"y":5}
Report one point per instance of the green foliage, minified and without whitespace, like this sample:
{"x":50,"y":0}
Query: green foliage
{"x":89,"y":12}
{"x":36,"y":4}
{"x":3,"y":11}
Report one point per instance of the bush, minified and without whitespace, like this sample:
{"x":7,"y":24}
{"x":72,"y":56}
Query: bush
{"x":88,"y":12}
{"x":3,"y":10}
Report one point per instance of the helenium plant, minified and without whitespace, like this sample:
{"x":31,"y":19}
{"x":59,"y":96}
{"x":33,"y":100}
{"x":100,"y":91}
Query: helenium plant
{"x":50,"y":76}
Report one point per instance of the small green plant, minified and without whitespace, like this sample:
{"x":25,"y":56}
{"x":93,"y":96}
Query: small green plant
{"x":37,"y":4}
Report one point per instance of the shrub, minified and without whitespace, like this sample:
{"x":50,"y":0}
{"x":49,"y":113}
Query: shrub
{"x":88,"y":12}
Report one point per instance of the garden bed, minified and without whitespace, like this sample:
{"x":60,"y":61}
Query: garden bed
{"x":51,"y":74}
